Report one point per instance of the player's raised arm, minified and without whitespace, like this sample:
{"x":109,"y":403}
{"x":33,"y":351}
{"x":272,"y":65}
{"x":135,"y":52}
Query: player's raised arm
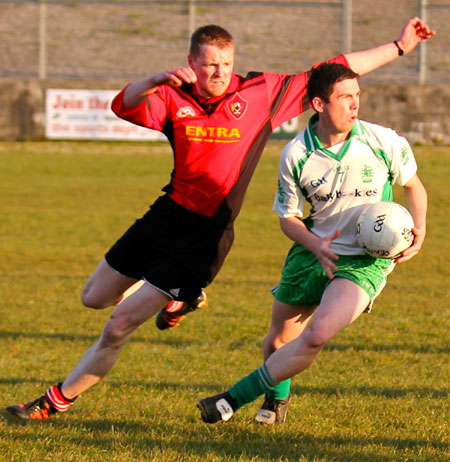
{"x":137,"y":91}
{"x":414,"y":32}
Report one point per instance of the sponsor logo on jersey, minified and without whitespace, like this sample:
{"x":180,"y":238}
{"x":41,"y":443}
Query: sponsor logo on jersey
{"x":331,"y":196}
{"x":237,"y":106}
{"x":367,"y":173}
{"x":185,"y":111}
{"x":212,"y":134}
{"x":318,"y":182}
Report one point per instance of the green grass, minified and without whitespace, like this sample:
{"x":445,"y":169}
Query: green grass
{"x":379,"y":391}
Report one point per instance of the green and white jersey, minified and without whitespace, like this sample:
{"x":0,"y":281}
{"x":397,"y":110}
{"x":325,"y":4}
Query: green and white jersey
{"x":338,"y":180}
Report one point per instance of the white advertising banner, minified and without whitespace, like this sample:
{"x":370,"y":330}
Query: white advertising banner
{"x":86,"y":114}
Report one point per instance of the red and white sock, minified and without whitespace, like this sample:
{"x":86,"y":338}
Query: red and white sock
{"x":174,"y":306}
{"x":57,"y":399}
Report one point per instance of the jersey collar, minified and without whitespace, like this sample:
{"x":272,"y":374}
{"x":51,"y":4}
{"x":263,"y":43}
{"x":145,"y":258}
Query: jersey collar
{"x":313,"y":143}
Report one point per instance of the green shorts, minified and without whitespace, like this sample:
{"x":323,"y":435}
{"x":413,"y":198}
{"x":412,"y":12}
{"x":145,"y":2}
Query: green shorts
{"x":304,"y":280}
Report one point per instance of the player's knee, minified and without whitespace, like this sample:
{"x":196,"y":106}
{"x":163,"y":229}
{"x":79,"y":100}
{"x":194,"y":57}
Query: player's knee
{"x":113,"y":334}
{"x":87,"y":300}
{"x":317,"y":335}
{"x":90,"y":299}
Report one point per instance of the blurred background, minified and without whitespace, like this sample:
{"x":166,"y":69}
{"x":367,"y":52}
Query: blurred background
{"x":106,"y":44}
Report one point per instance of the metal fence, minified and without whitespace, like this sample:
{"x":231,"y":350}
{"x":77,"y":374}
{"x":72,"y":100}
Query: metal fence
{"x":76,"y":39}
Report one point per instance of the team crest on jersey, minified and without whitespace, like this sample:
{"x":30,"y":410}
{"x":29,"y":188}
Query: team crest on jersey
{"x":185,"y":111}
{"x":367,"y":173}
{"x":237,"y":106}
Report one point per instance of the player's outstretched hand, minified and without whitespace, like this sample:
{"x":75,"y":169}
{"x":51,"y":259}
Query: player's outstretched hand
{"x":414,"y":249}
{"x":414,"y":32}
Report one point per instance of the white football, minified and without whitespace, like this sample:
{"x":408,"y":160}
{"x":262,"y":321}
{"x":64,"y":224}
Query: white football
{"x":384,"y":229}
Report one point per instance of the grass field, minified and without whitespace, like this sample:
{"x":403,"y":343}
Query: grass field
{"x":379,"y":391}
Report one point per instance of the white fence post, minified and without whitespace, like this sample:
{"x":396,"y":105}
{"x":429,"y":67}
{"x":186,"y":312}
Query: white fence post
{"x":423,"y":46}
{"x":192,"y":9}
{"x":346,"y":33}
{"x":42,"y":39}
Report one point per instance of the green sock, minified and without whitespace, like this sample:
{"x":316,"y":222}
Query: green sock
{"x":281,"y":391}
{"x":255,"y":384}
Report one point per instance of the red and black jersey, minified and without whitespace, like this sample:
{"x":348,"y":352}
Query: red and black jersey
{"x":217,"y":142}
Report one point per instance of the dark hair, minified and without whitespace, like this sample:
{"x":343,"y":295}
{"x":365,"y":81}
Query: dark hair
{"x":211,"y":35}
{"x":322,"y":79}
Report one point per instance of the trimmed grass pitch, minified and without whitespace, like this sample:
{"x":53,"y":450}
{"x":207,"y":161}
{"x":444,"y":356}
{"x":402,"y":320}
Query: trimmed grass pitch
{"x":379,"y":391}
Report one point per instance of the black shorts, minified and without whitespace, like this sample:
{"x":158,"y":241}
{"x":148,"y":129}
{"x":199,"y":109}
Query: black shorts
{"x":171,"y":247}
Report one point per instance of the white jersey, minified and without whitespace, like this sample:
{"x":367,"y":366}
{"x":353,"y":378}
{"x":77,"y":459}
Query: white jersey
{"x":337,"y":181}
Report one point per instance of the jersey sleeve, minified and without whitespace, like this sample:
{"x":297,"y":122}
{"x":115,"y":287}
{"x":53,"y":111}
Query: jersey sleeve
{"x":403,"y":164}
{"x":289,"y":200}
{"x":151,"y":113}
